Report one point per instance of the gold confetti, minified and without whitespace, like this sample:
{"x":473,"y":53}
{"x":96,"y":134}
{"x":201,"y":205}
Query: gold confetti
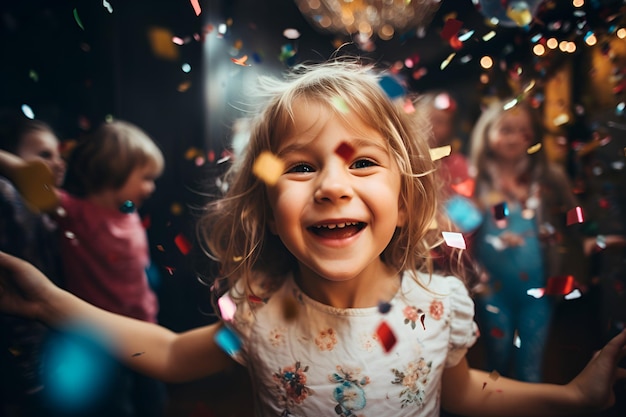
{"x":533,"y":149}
{"x":161,"y":43}
{"x":440,"y":152}
{"x":494,"y":375}
{"x":268,"y":168}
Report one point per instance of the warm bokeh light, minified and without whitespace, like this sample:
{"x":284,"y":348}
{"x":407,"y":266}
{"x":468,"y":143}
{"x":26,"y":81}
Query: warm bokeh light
{"x":486,"y":62}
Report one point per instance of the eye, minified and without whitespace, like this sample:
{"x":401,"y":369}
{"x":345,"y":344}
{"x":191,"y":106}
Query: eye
{"x":45,"y":155}
{"x":301,"y":168}
{"x":363,"y":163}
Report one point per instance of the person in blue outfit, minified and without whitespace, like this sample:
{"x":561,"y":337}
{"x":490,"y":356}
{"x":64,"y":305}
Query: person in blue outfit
{"x":524,"y":239}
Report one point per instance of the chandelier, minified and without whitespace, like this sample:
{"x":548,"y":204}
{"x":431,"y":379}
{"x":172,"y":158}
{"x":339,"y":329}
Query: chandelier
{"x":368,"y":17}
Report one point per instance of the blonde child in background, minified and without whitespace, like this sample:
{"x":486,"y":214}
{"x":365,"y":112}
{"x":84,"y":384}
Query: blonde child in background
{"x":103,"y":243}
{"x":524,"y":240}
{"x":325,"y":293}
{"x":31,"y":235}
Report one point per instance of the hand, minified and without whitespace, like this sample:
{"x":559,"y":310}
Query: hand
{"x":594,"y":385}
{"x":24,"y":290}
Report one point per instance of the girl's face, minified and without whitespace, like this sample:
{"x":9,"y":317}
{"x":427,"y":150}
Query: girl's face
{"x":511,"y":135}
{"x":335,"y":211}
{"x":41,"y":145}
{"x":139,"y":185}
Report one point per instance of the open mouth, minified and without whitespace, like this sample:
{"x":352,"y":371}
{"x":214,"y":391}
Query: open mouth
{"x":337,"y":230}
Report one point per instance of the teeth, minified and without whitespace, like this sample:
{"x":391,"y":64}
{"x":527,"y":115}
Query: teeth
{"x":336,"y":225}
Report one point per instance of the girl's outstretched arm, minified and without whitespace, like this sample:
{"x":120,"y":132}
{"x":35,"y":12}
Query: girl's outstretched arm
{"x":472,"y":392}
{"x":148,"y":348}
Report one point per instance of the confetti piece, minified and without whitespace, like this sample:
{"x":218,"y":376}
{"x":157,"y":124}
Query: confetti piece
{"x":345,"y":150}
{"x":497,"y":333}
{"x":77,"y":19}
{"x":536,"y":292}
{"x":127,"y":207}
{"x":28,"y":111}
{"x":500,"y":211}
{"x":196,"y":7}
{"x":494,"y":375}
{"x":35,"y":181}
{"x":385,"y":336}
{"x":228,"y":341}
{"x":183,"y":245}
{"x":575,"y":215}
{"x":573,"y":295}
{"x":241,"y":61}
{"x":454,"y":239}
{"x":489,"y":36}
{"x":161,"y":43}
{"x":517,"y":342}
{"x":560,"y":285}
{"x":463,"y":213}
{"x":255,"y":299}
{"x":268,"y":168}
{"x":107,"y":6}
{"x":533,"y":149}
{"x":391,"y":86}
{"x":227,"y":307}
{"x":440,"y":152}
{"x":450,"y":28}
{"x":340,"y":104}
{"x":464,"y":188}
{"x":384,"y":307}
{"x":291,"y":33}
{"x":492,"y":309}
{"x":561,"y":119}
{"x":447,"y":61}
{"x":519,"y":13}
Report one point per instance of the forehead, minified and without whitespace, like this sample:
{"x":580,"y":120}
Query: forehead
{"x":310,"y":118}
{"x":38,"y":139}
{"x":515,"y":115}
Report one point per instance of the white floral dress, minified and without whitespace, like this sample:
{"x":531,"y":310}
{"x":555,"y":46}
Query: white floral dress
{"x":327,"y":361}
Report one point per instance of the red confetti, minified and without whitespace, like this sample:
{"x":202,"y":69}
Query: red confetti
{"x":497,"y":333}
{"x":345,"y":151}
{"x":560,"y":285}
{"x":183,"y":245}
{"x":465,"y":188}
{"x":385,"y":336}
{"x":575,"y":215}
{"x":146,"y":222}
{"x":450,"y":29}
{"x":255,"y":299}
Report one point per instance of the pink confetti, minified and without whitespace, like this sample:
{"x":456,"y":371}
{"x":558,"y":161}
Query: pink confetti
{"x":196,"y":7}
{"x":575,"y":215}
{"x":227,"y":307}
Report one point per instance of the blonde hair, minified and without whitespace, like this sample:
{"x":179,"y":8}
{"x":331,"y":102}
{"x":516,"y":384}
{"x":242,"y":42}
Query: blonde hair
{"x":481,"y":155}
{"x":105,"y":159}
{"x":234,"y":229}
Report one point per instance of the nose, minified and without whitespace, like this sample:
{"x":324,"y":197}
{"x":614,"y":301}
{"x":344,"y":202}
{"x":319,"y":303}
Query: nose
{"x":334,"y":184}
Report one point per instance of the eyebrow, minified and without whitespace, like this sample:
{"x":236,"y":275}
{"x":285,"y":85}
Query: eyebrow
{"x":356,"y":143}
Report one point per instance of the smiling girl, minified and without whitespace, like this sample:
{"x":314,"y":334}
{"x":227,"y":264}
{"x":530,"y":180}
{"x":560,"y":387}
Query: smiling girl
{"x":325,"y":293}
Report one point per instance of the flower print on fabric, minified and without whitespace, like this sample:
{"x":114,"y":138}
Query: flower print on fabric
{"x":414,"y":379}
{"x":326,"y":339}
{"x":412,"y":314}
{"x":291,"y":382}
{"x":277,"y":336}
{"x":436,"y":309}
{"x":349,"y":392}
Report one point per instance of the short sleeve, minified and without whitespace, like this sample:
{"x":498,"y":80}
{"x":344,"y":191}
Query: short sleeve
{"x":463,"y":328}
